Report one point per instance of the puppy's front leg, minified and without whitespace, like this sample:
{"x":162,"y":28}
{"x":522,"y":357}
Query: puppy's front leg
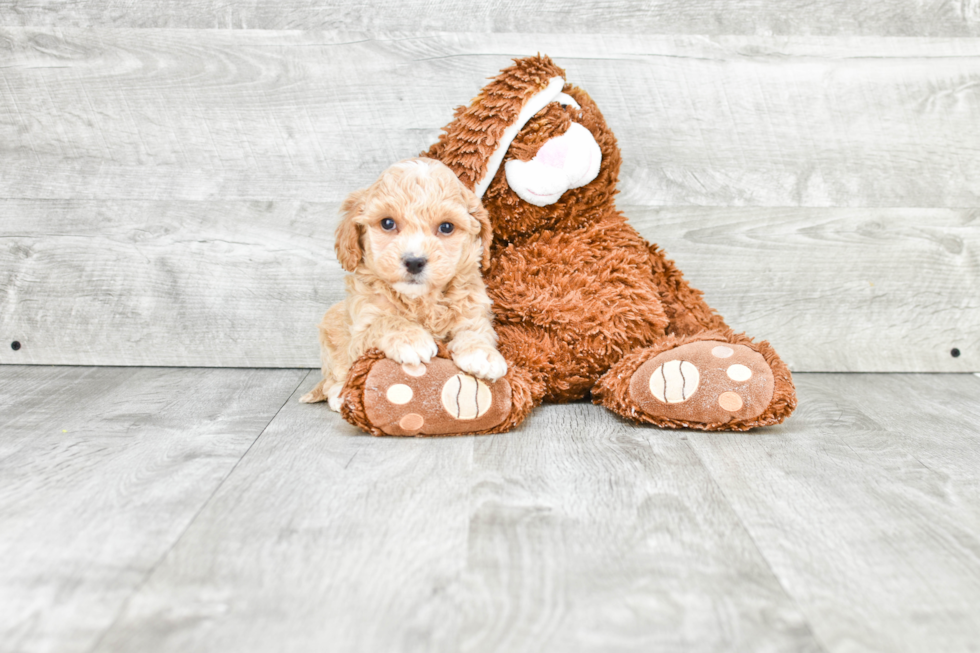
{"x":334,"y":337}
{"x":410,"y":346}
{"x":402,"y":341}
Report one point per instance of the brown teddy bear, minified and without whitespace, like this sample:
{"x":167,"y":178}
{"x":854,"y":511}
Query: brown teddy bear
{"x":582,"y":303}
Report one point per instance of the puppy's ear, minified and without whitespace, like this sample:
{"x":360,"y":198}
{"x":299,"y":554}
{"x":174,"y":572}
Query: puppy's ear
{"x":348,"y":240}
{"x":475,"y":208}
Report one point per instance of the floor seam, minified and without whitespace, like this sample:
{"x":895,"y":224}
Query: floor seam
{"x":755,"y":544}
{"x":149,"y":573}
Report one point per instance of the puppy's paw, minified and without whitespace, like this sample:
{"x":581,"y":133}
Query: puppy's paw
{"x":333,"y":397}
{"x":321,"y":392}
{"x":482,"y":363}
{"x":410,"y":348}
{"x":312,"y":397}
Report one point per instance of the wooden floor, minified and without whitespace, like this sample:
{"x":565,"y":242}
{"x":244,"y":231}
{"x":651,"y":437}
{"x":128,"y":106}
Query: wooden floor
{"x":160,"y":509}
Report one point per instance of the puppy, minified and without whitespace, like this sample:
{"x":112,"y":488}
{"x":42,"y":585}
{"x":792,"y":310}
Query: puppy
{"x":415,"y":242}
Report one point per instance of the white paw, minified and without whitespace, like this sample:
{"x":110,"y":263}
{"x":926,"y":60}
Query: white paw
{"x":482,"y":363}
{"x":411,"y":350}
{"x":333,"y":397}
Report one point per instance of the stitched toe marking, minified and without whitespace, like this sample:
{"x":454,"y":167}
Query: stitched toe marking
{"x":739,"y":373}
{"x":399,"y":394}
{"x":414,"y":370}
{"x":411,"y":422}
{"x":465,"y":397}
{"x":675,"y":381}
{"x":730,"y":401}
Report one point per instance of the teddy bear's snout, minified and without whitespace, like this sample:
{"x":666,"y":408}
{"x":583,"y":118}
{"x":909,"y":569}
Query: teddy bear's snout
{"x":568,"y":161}
{"x":553,"y":153}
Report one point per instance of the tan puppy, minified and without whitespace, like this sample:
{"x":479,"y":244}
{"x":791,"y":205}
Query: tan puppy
{"x":415,"y":241}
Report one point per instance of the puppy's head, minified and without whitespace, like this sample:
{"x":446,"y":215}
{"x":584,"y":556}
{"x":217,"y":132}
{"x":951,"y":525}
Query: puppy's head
{"x":415,"y":228}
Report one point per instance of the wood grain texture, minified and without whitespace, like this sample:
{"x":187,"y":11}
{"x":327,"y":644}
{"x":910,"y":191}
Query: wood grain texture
{"x":101,"y":470}
{"x":245,"y":283}
{"x":728,"y":121}
{"x":327,"y":537}
{"x":789,"y":17}
{"x":878,"y":290}
{"x":576,"y":533}
{"x":591,"y":534}
{"x":868,"y":507}
{"x":126,"y":524}
{"x":166,"y":283}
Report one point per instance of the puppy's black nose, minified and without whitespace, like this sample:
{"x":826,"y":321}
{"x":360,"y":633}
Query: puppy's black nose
{"x":414,"y":264}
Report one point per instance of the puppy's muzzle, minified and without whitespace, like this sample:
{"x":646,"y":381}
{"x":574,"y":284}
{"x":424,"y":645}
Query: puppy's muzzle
{"x":414,"y":264}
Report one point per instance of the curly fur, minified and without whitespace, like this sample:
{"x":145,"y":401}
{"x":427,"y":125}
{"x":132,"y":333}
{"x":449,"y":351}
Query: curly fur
{"x":402,"y":313}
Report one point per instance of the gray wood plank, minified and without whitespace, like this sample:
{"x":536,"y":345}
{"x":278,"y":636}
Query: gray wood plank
{"x":245,"y":283}
{"x":867,"y":506}
{"x":592,"y":534}
{"x":166,"y":283}
{"x":789,"y":17}
{"x":325,"y":538}
{"x":878,"y":290}
{"x":245,"y":114}
{"x":577,"y":532}
{"x":101,"y":470}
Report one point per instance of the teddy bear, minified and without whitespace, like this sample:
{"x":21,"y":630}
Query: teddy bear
{"x":584,"y":307}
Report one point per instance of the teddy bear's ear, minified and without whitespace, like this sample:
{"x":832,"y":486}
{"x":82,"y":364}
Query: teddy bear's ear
{"x":475,"y":208}
{"x":348,"y":239}
{"x":475,"y":142}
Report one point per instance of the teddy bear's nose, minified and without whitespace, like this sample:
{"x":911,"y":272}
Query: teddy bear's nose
{"x":415,"y":264}
{"x":553,"y":153}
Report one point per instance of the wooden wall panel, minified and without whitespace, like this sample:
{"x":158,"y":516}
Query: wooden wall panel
{"x":789,"y":17}
{"x":727,"y":121}
{"x":168,"y":196}
{"x":876,"y":290}
{"x":235,"y":284}
{"x":244,"y":283}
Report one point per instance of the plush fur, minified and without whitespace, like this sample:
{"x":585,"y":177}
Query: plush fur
{"x":398,"y":220}
{"x":580,"y":299}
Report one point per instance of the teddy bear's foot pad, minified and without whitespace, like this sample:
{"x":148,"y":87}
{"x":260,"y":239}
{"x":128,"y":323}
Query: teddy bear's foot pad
{"x":433,"y":399}
{"x":709,"y":382}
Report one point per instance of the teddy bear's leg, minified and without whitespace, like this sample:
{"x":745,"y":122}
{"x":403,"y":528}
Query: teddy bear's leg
{"x":435,"y":398}
{"x":712,"y":381}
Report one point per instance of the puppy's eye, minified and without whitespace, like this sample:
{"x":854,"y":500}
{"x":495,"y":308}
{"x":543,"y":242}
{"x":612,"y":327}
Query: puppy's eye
{"x":387,"y":224}
{"x":447,"y":228}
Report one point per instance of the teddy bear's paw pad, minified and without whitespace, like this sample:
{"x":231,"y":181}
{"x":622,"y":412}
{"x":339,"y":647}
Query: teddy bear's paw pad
{"x":433,"y":398}
{"x":709,"y":382}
